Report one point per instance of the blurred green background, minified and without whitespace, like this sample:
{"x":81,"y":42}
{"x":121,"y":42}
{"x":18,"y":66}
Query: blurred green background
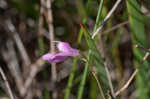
{"x":24,"y":38}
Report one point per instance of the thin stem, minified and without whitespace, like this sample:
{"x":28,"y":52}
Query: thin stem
{"x":7,"y":84}
{"x":71,"y":77}
{"x":98,"y":15}
{"x":106,"y":18}
{"x":106,"y":64}
{"x":82,"y":83}
{"x":116,"y":27}
{"x":109,"y":80}
{"x":142,"y":48}
{"x":127,"y":84}
{"x":96,"y":32}
{"x":133,"y":75}
{"x":99,"y":85}
{"x":51,"y":35}
{"x":19,"y":43}
{"x":35,"y":68}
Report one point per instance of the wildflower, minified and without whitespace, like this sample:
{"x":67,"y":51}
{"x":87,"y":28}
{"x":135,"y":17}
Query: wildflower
{"x":64,"y":49}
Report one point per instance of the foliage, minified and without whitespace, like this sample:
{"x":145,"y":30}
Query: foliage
{"x":24,"y":38}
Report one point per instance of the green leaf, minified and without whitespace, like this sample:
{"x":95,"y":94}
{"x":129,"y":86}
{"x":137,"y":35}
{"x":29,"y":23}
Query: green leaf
{"x":139,"y":37}
{"x":96,"y":59}
{"x":92,"y":46}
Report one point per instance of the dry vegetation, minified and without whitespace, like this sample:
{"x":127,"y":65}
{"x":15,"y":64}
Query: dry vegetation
{"x":111,"y":35}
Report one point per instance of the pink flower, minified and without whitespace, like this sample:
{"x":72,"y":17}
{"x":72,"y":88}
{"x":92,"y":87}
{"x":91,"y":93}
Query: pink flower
{"x":65,"y":50}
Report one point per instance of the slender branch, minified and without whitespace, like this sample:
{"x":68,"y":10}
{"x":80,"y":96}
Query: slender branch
{"x":99,"y":85}
{"x":116,"y":27}
{"x":127,"y":84}
{"x":106,"y":64}
{"x":35,"y":67}
{"x":24,"y":55}
{"x":146,"y":50}
{"x":50,"y":25}
{"x":22,"y":50}
{"x":106,"y":18}
{"x":109,"y":79}
{"x":51,"y":35}
{"x":7,"y":84}
{"x":13,"y":65}
{"x":52,"y":46}
{"x":142,"y":48}
{"x":102,"y":51}
{"x":135,"y":72}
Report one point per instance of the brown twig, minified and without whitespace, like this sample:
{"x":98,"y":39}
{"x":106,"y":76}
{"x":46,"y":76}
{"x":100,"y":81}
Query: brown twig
{"x":19,"y":43}
{"x":51,"y":35}
{"x":13,"y":65}
{"x":7,"y":84}
{"x":142,"y":48}
{"x":35,"y":67}
{"x":146,"y":50}
{"x":115,"y":27}
{"x":20,"y":46}
{"x":135,"y":72}
{"x":52,"y":46}
{"x":127,"y":84}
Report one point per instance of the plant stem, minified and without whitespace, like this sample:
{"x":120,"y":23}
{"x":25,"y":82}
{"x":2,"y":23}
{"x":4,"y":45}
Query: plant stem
{"x":82,"y":83}
{"x":71,"y":77}
{"x":99,"y":85}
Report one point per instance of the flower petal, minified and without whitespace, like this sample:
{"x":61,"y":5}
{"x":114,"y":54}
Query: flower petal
{"x":65,"y":47}
{"x":55,"y":57}
{"x":48,"y":56}
{"x":59,"y":57}
{"x":65,"y":51}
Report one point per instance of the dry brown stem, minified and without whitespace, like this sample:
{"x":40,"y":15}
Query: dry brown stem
{"x":127,"y":83}
{"x":13,"y":65}
{"x":52,"y":46}
{"x":135,"y":72}
{"x":6,"y":83}
{"x":115,"y":27}
{"x":35,"y":67}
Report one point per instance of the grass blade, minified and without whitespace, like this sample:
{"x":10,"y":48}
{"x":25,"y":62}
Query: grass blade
{"x":139,"y":37}
{"x":71,"y":77}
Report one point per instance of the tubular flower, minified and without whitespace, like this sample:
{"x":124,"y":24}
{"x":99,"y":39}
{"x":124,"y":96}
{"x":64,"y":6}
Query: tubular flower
{"x":64,"y":49}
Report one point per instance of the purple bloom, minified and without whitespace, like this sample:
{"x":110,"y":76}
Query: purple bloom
{"x":54,"y":57}
{"x":65,"y":51}
{"x":66,"y":48}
